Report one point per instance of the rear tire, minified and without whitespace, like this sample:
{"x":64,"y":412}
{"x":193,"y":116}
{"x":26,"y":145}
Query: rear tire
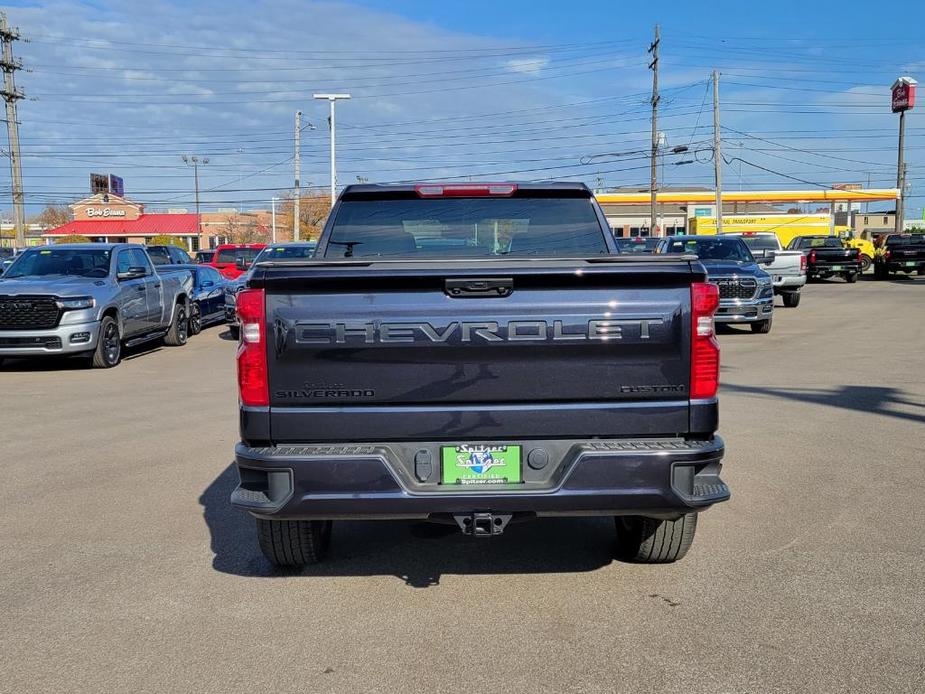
{"x":195,"y":319}
{"x":108,"y":352}
{"x":179,"y":327}
{"x":791,"y":299}
{"x":761,"y":326}
{"x":865,"y":263}
{"x":293,"y":543}
{"x":650,"y":541}
{"x":851,"y":277}
{"x":234,"y":331}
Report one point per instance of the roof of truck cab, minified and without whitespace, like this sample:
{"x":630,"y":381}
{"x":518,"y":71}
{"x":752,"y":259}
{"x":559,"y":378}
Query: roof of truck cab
{"x":368,"y":188}
{"x":93,"y":244}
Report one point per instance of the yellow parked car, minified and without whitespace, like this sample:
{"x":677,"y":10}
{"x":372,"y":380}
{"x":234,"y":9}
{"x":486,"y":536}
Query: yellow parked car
{"x":868,"y":252}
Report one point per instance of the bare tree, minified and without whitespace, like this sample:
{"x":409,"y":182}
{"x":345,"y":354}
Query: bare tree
{"x":238,"y":229}
{"x":314,"y":207}
{"x":53,"y":216}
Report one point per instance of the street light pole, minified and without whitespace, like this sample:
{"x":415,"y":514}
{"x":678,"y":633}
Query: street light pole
{"x":273,"y":217}
{"x":195,"y":161}
{"x":332,"y":99}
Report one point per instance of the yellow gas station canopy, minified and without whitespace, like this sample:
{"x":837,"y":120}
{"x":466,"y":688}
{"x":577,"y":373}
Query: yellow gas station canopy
{"x":707,"y":197}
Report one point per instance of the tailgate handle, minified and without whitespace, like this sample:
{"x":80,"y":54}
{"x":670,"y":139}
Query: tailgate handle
{"x":479,"y":287}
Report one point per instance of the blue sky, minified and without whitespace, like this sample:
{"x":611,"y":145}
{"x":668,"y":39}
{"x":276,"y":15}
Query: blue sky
{"x":521,"y":90}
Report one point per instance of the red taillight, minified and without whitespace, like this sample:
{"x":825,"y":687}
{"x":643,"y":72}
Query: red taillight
{"x":812,"y":256}
{"x":803,"y":264}
{"x":464,"y":190}
{"x":252,"y":353}
{"x":887,"y":253}
{"x":704,"y":347}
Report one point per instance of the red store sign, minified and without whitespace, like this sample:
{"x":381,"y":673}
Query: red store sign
{"x":903,"y":94}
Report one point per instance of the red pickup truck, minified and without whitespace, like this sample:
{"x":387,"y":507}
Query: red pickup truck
{"x":233,"y":259}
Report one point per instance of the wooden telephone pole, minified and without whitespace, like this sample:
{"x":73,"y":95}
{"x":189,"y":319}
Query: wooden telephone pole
{"x":11,"y":95}
{"x":653,"y":180}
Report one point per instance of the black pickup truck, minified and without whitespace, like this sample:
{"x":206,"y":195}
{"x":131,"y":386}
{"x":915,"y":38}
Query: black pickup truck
{"x":826,"y":256}
{"x":900,"y":253}
{"x":477,"y":354}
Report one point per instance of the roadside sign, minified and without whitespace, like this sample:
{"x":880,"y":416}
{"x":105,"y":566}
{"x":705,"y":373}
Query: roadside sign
{"x":903,"y":94}
{"x":99,"y":183}
{"x":116,"y":185}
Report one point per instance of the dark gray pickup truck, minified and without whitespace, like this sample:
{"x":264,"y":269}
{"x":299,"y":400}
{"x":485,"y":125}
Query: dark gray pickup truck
{"x":477,"y":354}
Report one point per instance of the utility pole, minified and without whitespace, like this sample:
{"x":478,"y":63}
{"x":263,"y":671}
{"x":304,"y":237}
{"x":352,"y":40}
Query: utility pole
{"x":195,"y":161}
{"x":653,"y":180}
{"x":298,"y":174}
{"x":332,"y":99}
{"x":11,"y":95}
{"x":273,"y":217}
{"x":717,"y":156}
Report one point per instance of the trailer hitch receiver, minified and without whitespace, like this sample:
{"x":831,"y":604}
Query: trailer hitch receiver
{"x":482,"y":524}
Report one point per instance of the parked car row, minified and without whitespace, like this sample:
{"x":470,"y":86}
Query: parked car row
{"x":95,"y":299}
{"x":750,"y":268}
{"x":91,"y":299}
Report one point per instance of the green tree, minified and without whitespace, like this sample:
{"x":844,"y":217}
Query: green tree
{"x":167,"y":240}
{"x":73,"y":238}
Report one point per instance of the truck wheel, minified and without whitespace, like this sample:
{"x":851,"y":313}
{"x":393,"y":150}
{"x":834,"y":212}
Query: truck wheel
{"x":792,"y":299}
{"x":865,"y":263}
{"x":851,"y":277}
{"x":651,"y":541}
{"x":179,"y":327}
{"x":195,"y":319}
{"x":235,"y":331}
{"x":108,"y":350}
{"x":293,"y":543}
{"x":761,"y":326}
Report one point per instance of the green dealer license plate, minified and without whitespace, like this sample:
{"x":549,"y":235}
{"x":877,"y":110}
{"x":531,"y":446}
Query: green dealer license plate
{"x":836,"y":267}
{"x":480,"y":464}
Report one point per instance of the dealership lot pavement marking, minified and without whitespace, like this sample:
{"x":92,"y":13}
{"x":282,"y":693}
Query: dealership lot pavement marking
{"x":124,"y":569}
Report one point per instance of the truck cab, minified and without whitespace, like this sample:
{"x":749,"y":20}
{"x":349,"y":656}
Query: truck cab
{"x":786,"y":268}
{"x":91,"y":299}
{"x":233,"y":259}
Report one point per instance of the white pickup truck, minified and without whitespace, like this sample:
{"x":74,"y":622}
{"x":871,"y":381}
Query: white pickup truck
{"x":788,"y":268}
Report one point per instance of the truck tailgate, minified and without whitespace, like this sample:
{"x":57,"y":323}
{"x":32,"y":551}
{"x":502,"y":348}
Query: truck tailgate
{"x":387,"y":350}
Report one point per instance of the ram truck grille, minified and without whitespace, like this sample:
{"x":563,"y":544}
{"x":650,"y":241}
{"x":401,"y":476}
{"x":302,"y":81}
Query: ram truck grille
{"x":28,"y":312}
{"x":736,"y":287}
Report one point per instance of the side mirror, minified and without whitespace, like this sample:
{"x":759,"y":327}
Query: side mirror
{"x":133,"y":273}
{"x":241,"y":264}
{"x":768,"y":258}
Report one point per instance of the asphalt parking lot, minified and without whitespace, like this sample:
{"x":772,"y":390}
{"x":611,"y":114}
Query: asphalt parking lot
{"x":124,"y":569}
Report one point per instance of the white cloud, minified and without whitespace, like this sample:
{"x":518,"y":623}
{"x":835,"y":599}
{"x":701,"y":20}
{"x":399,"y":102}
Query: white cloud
{"x":527,"y":66}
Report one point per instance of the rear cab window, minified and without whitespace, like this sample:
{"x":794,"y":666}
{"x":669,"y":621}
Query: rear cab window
{"x":159,"y":256}
{"x":906,"y":240}
{"x":231,"y":255}
{"x":759,"y":243}
{"x":404,"y":225}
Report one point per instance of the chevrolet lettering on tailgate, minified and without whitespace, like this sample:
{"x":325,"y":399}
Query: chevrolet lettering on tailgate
{"x":487,"y":331}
